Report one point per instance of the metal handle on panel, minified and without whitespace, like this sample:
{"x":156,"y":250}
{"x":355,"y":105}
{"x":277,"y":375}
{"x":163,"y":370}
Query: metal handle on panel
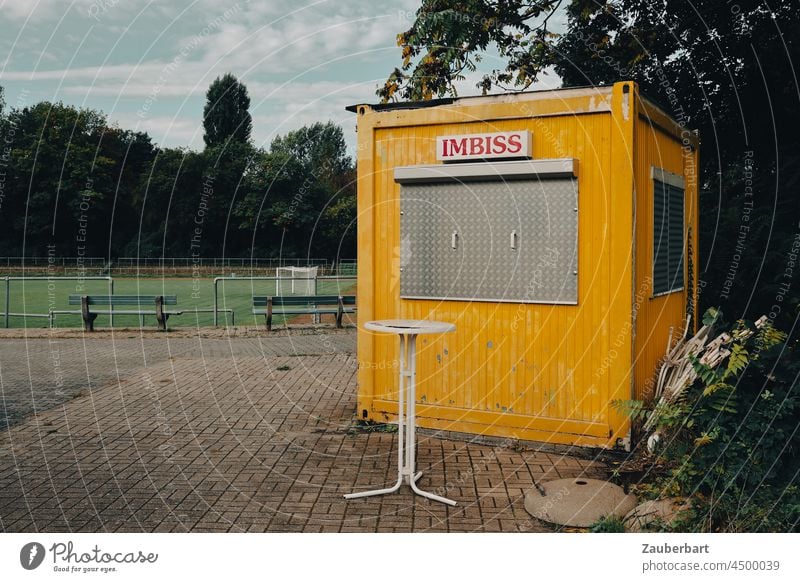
{"x":513,"y":240}
{"x":454,"y":240}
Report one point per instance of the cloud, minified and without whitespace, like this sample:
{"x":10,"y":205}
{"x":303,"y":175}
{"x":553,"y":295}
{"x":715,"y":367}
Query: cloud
{"x":276,"y":110}
{"x":186,"y":131}
{"x":287,"y":108}
{"x":20,"y":11}
{"x":302,"y":61}
{"x":44,"y":10}
{"x":297,"y":42}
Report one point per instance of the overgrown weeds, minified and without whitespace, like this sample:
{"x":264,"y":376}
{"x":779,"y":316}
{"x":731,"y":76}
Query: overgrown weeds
{"x":730,"y":444}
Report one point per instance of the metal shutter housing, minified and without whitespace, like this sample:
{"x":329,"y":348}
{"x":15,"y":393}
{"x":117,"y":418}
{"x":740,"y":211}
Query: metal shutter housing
{"x":486,"y":237}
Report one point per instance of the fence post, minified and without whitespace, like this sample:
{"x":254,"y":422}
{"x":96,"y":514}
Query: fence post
{"x":111,"y":307}
{"x":216,"y":321}
{"x":8,"y":302}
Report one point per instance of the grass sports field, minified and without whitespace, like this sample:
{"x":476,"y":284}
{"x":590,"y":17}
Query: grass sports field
{"x":42,"y":295}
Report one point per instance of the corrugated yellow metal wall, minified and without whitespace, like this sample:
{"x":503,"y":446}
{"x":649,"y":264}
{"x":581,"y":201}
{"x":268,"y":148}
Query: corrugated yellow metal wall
{"x":662,"y":317}
{"x":540,"y":372}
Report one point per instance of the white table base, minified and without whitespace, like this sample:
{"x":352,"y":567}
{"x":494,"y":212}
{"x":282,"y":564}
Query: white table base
{"x":406,"y":447}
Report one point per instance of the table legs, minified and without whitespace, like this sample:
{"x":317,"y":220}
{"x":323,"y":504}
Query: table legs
{"x":406,"y":431}
{"x":411,"y":444}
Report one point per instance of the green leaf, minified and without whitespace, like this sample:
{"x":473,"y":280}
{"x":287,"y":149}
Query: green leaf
{"x":711,"y":316}
{"x":634,"y":409}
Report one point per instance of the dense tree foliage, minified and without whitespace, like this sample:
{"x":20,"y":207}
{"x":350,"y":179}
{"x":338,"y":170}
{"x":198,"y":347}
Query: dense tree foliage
{"x":65,"y":170}
{"x":448,"y":37}
{"x":723,"y":68}
{"x":226,"y":115}
{"x":74,"y":185}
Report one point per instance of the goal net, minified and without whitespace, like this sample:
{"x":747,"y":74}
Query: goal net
{"x":296,"y":281}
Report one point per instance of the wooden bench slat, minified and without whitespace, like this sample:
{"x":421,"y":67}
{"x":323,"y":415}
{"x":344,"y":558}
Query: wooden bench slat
{"x":123,"y":299}
{"x":301,"y":312}
{"x":261,"y":300}
{"x":133,"y":312}
{"x":320,"y":311}
{"x":305,"y":300}
{"x":121,"y":296}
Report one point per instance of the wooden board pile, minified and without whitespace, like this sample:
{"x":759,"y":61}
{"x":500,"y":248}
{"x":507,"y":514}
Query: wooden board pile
{"x":677,"y":372}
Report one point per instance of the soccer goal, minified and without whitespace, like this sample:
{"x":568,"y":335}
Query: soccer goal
{"x":296,"y":281}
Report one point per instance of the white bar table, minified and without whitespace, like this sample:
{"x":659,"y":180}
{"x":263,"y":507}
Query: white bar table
{"x":407,"y":330}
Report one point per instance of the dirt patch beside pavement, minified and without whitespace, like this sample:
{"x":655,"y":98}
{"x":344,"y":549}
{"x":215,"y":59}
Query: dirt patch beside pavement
{"x":179,"y":332}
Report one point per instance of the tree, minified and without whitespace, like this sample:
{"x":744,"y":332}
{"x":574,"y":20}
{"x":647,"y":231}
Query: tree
{"x":68,"y":176}
{"x":320,"y":147}
{"x":450,"y":36}
{"x":300,"y":196}
{"x":324,"y":207}
{"x":724,"y":69}
{"x":337,"y":228}
{"x":227,"y":169}
{"x":720,"y":67}
{"x":226,"y":115}
{"x":166,"y":206}
{"x":69,"y":179}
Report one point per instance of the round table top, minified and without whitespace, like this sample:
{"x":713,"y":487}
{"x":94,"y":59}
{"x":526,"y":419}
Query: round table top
{"x":409,"y":326}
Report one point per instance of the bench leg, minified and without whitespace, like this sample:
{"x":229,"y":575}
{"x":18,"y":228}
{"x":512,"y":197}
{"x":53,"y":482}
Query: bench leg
{"x":269,"y":313}
{"x":339,"y":314}
{"x":86,"y":314}
{"x":88,"y":321}
{"x":161,"y":317}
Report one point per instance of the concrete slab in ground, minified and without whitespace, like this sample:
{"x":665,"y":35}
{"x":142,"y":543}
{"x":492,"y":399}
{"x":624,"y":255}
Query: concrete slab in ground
{"x":236,"y":437}
{"x":654,"y":512}
{"x":578,"y":502}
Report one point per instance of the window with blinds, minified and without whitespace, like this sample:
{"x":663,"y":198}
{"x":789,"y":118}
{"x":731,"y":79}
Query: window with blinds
{"x":668,"y":247}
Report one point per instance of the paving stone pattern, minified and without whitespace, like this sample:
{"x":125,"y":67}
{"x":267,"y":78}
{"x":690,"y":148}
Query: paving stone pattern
{"x":37,"y":374}
{"x":238,"y":437}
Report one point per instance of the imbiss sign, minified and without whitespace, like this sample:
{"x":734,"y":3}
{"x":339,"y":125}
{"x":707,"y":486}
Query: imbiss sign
{"x":483,"y":146}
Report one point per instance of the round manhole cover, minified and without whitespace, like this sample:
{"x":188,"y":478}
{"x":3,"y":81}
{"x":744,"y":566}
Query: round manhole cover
{"x":578,"y":502}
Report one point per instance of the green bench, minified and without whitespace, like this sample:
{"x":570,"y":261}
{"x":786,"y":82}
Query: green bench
{"x":336,"y":305}
{"x":147,"y":305}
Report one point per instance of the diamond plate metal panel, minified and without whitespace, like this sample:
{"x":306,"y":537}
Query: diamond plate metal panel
{"x":480,"y":219}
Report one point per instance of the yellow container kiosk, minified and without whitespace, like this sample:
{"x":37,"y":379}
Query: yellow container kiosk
{"x":556,"y":229}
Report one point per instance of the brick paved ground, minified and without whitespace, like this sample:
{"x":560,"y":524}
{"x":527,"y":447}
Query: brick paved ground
{"x":39,"y":372}
{"x":239,"y":441}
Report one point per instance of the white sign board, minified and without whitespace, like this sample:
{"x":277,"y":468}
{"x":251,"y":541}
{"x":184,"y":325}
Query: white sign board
{"x":483,"y":146}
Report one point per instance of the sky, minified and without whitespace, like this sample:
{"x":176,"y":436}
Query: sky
{"x":147,"y":64}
